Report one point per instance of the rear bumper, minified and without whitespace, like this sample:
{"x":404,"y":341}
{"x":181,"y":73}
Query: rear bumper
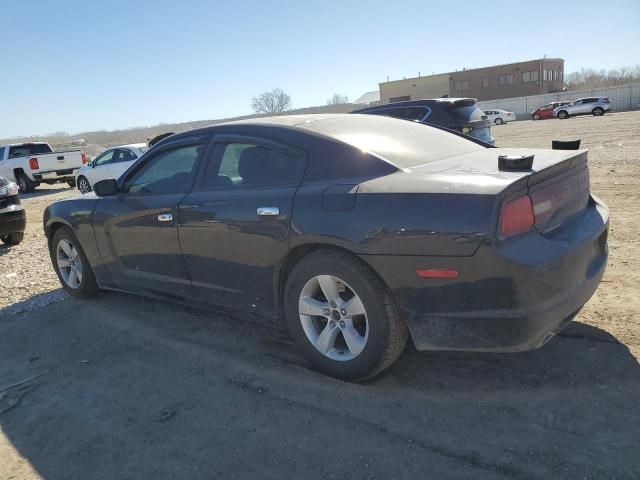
{"x":12,"y":220}
{"x":56,"y":175}
{"x":507,"y":298}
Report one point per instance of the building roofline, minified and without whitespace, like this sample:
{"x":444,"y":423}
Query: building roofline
{"x":471,"y":69}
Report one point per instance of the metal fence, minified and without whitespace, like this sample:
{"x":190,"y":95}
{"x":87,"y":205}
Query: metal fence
{"x":623,"y":97}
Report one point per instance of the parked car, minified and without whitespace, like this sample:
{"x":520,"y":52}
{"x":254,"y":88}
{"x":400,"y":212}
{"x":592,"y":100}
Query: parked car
{"x":546,"y":111}
{"x":13,"y":220}
{"x":500,"y":116}
{"x":30,"y":164}
{"x":109,"y":164}
{"x":458,"y":114}
{"x":595,"y":106}
{"x":361,"y":230}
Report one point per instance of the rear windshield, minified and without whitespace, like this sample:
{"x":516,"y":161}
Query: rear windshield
{"x":467,"y":113}
{"x":27,"y":149}
{"x":404,"y":144}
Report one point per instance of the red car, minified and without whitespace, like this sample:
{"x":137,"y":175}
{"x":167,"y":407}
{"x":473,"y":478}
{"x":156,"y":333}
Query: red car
{"x":547,"y":110}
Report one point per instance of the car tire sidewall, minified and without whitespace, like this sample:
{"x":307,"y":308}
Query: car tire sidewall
{"x":499,"y":121}
{"x":80,"y":182}
{"x":598,"y":112}
{"x":88,"y":286}
{"x":536,"y":117}
{"x":563,"y":115}
{"x":23,"y":183}
{"x":12,"y":238}
{"x":376,"y":308}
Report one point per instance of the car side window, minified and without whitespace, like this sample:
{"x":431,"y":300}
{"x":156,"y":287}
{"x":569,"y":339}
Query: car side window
{"x":404,"y":113}
{"x":248,"y":165}
{"x":123,"y":155}
{"x":1,"y":154}
{"x":104,"y":159}
{"x":169,"y":171}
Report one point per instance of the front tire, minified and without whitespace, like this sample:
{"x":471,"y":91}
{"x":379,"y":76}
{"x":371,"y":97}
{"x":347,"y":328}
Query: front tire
{"x":12,"y":238}
{"x":499,"y":121}
{"x":597,"y":112}
{"x":342,"y":317}
{"x":536,"y":117}
{"x":71,"y":265}
{"x":562,"y":115}
{"x":83,"y":185}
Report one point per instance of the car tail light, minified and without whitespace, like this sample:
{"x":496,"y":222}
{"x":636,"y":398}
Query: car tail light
{"x":516,"y":217}
{"x":33,"y":164}
{"x":84,"y":158}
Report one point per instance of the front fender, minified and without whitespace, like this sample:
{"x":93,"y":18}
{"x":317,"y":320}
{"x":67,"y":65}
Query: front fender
{"x":77,"y":214}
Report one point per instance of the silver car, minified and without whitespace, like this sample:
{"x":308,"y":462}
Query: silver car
{"x":595,"y":106}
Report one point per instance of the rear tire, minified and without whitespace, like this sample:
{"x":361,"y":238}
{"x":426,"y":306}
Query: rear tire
{"x":499,"y":121}
{"x":562,"y":115}
{"x":365,"y":333}
{"x":598,"y":111}
{"x":83,"y":185}
{"x":12,"y":238}
{"x":25,"y":185}
{"x":71,"y":265}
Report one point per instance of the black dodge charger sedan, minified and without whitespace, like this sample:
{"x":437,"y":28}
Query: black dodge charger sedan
{"x":357,"y":230}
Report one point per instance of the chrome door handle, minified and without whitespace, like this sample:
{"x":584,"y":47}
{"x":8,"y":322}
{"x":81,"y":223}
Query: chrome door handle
{"x":268,"y":211}
{"x":165,"y":217}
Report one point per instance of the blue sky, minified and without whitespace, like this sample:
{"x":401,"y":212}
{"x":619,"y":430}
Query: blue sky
{"x":85,"y":65}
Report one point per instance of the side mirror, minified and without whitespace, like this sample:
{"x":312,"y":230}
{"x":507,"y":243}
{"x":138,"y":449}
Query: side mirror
{"x":106,"y":188}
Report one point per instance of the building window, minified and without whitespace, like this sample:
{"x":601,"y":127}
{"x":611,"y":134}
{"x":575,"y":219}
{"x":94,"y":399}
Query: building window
{"x":528,"y":77}
{"x":504,"y":80}
{"x":544,"y":75}
{"x":461,"y":85}
{"x":485,"y":82}
{"x":400,"y":99}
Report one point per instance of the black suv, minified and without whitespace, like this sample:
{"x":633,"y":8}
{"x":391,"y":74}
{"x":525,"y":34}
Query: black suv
{"x":13,"y":220}
{"x":458,"y":114}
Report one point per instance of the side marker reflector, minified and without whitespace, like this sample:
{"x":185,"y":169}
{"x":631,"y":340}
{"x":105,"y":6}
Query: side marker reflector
{"x":437,"y":273}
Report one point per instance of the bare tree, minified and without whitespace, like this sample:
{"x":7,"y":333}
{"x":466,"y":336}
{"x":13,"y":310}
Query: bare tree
{"x":273,"y":102}
{"x":338,"y":99}
{"x":591,"y":78}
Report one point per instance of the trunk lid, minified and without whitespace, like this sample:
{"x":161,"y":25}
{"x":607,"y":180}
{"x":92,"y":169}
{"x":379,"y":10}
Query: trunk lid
{"x":558,"y":182}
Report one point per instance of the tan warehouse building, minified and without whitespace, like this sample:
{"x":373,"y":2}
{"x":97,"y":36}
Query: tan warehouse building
{"x":532,"y":77}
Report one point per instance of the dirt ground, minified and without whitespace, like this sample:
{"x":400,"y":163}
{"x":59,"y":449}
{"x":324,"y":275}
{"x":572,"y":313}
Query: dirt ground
{"x":125,"y":387}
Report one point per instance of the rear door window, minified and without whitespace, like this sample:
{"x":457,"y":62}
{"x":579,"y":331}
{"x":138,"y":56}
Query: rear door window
{"x":249,"y":164}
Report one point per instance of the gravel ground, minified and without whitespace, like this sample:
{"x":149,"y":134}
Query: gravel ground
{"x":126,"y":387}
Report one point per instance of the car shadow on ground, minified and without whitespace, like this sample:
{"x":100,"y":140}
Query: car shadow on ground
{"x":43,"y":192}
{"x":125,"y":387}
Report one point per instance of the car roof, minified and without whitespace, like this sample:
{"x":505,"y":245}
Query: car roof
{"x":129,"y":145}
{"x":398,"y":142}
{"x":425,"y":102}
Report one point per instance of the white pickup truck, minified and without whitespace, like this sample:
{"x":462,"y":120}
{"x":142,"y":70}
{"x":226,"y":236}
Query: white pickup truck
{"x":30,"y":164}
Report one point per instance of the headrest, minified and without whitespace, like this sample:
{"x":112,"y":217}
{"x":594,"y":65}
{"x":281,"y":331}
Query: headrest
{"x":256,"y":165}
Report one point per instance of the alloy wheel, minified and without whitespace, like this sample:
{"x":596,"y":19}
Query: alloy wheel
{"x":83,"y":185}
{"x":333,"y":318}
{"x":69,"y":263}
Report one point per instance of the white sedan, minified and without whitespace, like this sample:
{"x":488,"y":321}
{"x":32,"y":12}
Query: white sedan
{"x":500,"y":116}
{"x":109,"y":164}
